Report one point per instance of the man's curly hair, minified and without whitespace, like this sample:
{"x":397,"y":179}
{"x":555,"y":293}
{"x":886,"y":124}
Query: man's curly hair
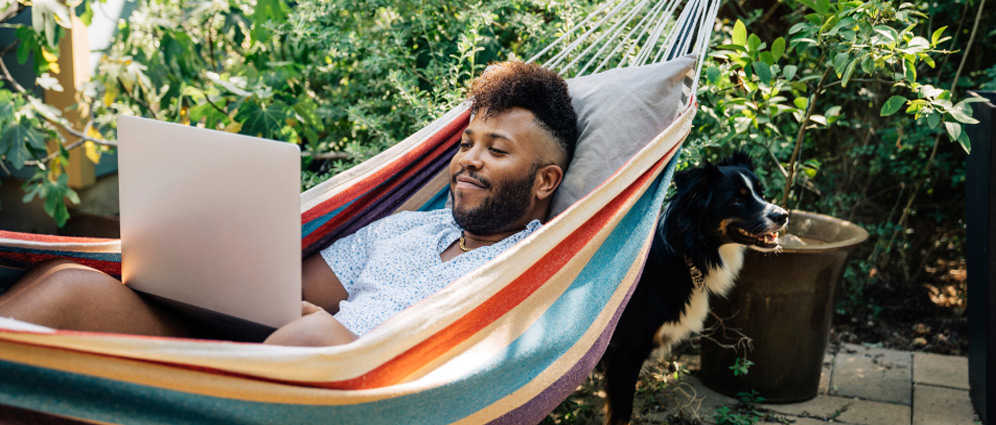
{"x":505,"y":85}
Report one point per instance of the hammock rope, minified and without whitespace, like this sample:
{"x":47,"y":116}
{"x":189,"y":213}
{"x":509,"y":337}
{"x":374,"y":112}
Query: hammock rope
{"x":503,"y":344}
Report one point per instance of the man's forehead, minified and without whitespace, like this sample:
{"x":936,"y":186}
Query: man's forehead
{"x":510,"y":123}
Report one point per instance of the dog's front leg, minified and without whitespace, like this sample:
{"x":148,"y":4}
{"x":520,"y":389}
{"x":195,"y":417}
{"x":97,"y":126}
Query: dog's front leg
{"x":623,"y":370}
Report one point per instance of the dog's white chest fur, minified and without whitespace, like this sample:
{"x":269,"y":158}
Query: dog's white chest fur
{"x":719,"y":281}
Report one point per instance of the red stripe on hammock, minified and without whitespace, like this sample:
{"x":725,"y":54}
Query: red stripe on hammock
{"x":365,"y":201}
{"x":498,"y":305}
{"x":31,"y":237}
{"x":381,"y":175}
{"x":109,"y":267}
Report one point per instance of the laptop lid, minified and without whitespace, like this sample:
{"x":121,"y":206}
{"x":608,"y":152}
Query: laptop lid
{"x":211,"y":219}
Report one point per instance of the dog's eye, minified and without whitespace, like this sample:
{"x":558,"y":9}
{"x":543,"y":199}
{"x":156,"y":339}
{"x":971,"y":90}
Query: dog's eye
{"x":738,"y":200}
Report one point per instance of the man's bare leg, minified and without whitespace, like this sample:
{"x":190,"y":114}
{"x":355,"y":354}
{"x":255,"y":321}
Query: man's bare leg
{"x":64,"y":294}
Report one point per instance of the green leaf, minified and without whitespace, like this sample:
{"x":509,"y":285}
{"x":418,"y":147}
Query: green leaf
{"x":893,"y":105}
{"x":763,"y":71}
{"x":753,"y":43}
{"x":919,"y":44}
{"x":800,"y":102}
{"x":962,"y":117}
{"x":965,"y":142}
{"x":954,"y":129}
{"x":808,"y":3}
{"x":29,"y":43}
{"x":848,"y":72}
{"x":789,"y":71}
{"x":87,"y":16}
{"x":778,"y":48}
{"x":822,"y":6}
{"x":801,"y":40}
{"x":259,"y":119}
{"x":965,"y":111}
{"x":937,"y":35}
{"x":798,"y":27}
{"x":840,"y":62}
{"x":910,"y":70}
{"x":18,"y":140}
{"x":739,"y":33}
{"x":712,"y":74}
{"x":829,"y":27}
{"x":767,"y":58}
{"x":933,"y":119}
{"x":267,"y":12}
{"x":868,"y":65}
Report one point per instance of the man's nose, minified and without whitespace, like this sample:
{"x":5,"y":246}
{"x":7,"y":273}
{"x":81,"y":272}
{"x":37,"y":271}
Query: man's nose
{"x":471,"y":158}
{"x":779,"y":216}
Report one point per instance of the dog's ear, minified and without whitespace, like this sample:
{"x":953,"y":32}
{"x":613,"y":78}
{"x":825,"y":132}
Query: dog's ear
{"x":691,"y":178}
{"x":739,"y":158}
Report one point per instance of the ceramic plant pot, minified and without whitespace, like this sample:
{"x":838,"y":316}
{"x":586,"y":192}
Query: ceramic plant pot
{"x":784,"y":303}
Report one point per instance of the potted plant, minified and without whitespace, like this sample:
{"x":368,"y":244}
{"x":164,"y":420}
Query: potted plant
{"x":772,"y":98}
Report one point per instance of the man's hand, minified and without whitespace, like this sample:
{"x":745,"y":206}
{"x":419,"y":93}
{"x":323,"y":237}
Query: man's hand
{"x":315,"y":328}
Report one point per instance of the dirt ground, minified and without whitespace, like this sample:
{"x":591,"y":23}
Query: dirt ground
{"x":924,"y":316}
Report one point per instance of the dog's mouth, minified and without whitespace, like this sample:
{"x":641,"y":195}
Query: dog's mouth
{"x":762,"y":240}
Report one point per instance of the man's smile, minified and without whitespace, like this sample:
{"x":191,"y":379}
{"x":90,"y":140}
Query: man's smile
{"x":464,"y":181}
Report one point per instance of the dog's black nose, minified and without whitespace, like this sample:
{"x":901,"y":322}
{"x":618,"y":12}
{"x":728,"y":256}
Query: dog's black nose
{"x":779,"y":216}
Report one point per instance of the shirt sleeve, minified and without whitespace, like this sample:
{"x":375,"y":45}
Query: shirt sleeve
{"x":348,"y":256}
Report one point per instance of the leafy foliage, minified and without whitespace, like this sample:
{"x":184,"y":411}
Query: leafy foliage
{"x":347,"y":77}
{"x":877,"y":81}
{"x":343,"y":79}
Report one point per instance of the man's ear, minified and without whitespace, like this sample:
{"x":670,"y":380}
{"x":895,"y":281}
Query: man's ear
{"x":548,"y":178}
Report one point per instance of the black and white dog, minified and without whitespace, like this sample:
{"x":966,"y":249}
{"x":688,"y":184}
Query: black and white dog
{"x":716,"y":213}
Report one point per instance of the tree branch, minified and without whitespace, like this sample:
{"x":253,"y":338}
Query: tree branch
{"x":790,"y":180}
{"x":137,"y":100}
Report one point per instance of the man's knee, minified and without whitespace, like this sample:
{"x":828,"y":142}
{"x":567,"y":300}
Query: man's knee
{"x":69,"y":279}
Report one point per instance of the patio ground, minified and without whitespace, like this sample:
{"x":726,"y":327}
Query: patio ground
{"x":860,"y":385}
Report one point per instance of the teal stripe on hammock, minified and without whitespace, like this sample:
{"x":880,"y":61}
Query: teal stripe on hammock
{"x":438,"y":200}
{"x":313,"y":225}
{"x":560,"y":326}
{"x":114,"y":257}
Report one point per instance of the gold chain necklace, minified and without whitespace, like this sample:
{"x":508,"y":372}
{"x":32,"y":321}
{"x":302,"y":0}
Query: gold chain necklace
{"x":463,"y":247}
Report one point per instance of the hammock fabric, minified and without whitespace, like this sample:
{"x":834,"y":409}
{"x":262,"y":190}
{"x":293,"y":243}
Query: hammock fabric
{"x":503,"y":344}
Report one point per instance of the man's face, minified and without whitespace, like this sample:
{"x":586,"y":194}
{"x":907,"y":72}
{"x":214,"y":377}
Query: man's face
{"x":493,"y":175}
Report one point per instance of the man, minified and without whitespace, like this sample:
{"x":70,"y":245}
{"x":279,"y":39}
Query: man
{"x":511,"y":160}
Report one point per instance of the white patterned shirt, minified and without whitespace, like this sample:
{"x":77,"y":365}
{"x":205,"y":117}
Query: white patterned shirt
{"x":394,"y":262}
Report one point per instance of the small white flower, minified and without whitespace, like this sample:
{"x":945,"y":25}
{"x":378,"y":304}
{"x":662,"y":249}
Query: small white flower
{"x":48,"y":82}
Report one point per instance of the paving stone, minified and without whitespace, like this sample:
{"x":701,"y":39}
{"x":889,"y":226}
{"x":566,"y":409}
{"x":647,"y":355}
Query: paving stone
{"x":823,"y":406}
{"x":874,"y":374}
{"x":795,"y":421}
{"x":825,"y":374}
{"x":711,"y":400}
{"x":941,"y":370}
{"x":941,"y":406}
{"x":862,"y":412}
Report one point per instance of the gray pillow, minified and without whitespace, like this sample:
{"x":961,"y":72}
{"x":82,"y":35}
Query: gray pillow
{"x":619,"y":112}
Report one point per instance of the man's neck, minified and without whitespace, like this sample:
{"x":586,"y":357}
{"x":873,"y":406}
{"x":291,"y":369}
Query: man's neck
{"x":473,"y":240}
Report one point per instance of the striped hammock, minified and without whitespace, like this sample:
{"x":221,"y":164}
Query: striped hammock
{"x":503,"y":344}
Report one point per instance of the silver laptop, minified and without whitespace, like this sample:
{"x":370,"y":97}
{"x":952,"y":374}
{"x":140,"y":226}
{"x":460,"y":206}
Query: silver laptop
{"x":211,"y":224}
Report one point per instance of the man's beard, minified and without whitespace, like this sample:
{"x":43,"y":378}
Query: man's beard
{"x":508,"y":202}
